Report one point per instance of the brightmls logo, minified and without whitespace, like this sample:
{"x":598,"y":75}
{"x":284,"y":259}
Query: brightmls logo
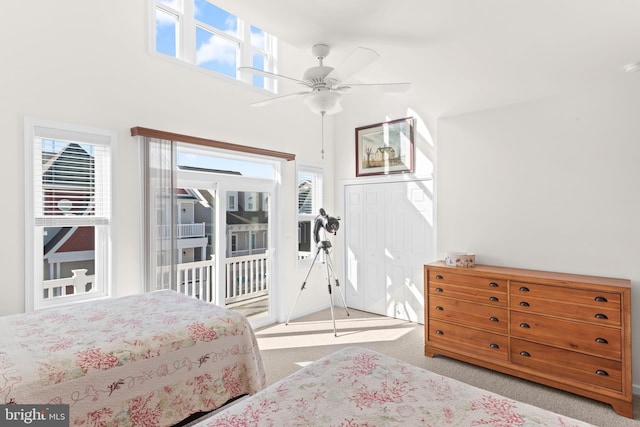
{"x":34,"y":415}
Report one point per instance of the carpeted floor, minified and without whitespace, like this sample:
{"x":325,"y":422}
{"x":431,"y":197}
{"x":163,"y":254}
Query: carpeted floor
{"x":286,"y":348}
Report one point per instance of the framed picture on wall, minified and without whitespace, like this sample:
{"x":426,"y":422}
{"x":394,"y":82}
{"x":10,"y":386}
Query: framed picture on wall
{"x":385,"y":148}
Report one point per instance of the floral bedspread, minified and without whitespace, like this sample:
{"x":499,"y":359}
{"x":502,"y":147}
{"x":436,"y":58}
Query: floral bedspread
{"x":143,"y":360}
{"x":358,"y":387}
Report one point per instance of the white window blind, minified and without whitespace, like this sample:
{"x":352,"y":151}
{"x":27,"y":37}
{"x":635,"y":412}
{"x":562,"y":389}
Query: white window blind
{"x":305,"y":192}
{"x":72,"y":179}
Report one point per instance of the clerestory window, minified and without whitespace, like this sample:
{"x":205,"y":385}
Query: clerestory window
{"x":200,"y":33}
{"x":68,"y":206}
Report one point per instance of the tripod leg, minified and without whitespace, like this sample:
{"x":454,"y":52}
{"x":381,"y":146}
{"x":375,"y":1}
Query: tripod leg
{"x":330,"y":267}
{"x":304,"y":284}
{"x":333,"y":318}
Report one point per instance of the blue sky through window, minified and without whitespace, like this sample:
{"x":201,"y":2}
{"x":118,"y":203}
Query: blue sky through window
{"x":244,"y":167}
{"x":217,"y":38}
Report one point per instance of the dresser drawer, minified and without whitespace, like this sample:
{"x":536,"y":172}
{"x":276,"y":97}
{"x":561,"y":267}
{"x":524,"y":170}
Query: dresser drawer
{"x":596,"y":340}
{"x":566,"y":364}
{"x":568,"y":309}
{"x":474,"y":341}
{"x":469,"y":281}
{"x":469,"y":313}
{"x":596,"y":299}
{"x":468,"y":288}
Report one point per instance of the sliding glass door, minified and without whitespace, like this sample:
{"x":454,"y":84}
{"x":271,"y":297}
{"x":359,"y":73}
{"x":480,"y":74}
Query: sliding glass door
{"x":224,"y":239}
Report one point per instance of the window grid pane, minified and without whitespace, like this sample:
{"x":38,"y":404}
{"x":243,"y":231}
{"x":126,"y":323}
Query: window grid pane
{"x":259,"y":62}
{"x":257,"y":38}
{"x":215,"y":17}
{"x":215,"y":53}
{"x":166,"y":33}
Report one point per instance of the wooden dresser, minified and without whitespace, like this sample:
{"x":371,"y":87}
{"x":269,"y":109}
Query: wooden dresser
{"x":568,"y":331}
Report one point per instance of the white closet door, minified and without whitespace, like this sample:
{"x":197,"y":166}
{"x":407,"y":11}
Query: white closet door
{"x":389,"y":239}
{"x":374,"y":262}
{"x":354,"y":294}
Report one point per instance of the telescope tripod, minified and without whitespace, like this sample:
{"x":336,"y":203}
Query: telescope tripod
{"x":324,"y":245}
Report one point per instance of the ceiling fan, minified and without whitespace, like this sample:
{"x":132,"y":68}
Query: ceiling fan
{"x":325,"y":85}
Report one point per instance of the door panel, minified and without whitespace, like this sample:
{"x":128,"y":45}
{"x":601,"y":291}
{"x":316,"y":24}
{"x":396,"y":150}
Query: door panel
{"x":354,"y":248}
{"x":390,"y":239}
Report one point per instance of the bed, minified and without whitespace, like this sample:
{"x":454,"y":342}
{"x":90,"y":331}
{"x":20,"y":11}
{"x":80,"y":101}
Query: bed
{"x":359,"y":387}
{"x":151,"y":359}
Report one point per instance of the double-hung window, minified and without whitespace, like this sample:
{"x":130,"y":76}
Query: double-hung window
{"x":68,"y":213}
{"x":309,"y":204}
{"x":200,"y":33}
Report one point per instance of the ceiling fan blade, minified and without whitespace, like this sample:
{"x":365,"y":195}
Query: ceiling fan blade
{"x":271,"y":75}
{"x":384,"y":87}
{"x":277,"y":98}
{"x":356,"y":61}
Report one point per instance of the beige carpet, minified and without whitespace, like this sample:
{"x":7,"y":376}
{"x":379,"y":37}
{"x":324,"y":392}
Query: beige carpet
{"x":286,"y":348}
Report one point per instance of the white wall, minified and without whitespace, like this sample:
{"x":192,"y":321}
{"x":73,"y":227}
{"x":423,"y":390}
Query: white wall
{"x":87,"y":63}
{"x":552,"y":184}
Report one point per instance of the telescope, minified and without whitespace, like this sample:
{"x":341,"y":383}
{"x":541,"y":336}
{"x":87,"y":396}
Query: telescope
{"x":325,"y":222}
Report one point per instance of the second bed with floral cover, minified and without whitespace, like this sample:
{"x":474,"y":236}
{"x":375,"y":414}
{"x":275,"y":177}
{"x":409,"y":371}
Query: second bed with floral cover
{"x":143,"y":360}
{"x":359,"y":387}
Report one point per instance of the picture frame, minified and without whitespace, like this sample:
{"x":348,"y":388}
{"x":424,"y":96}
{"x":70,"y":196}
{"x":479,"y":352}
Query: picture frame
{"x":385,"y":148}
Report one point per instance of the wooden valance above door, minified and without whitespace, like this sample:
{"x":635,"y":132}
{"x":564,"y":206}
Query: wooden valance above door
{"x":153,"y":133}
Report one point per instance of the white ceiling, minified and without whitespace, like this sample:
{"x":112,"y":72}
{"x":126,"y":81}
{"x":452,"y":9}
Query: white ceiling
{"x":465,"y":55}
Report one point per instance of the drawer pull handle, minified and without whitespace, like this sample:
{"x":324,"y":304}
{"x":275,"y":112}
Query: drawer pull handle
{"x":524,"y":304}
{"x":439,"y":290}
{"x":439,"y":308}
{"x":600,"y":299}
{"x":493,"y":345}
{"x":439,"y":277}
{"x":603,"y":373}
{"x":493,"y":284}
{"x":494,"y":319}
{"x":525,"y":354}
{"x":602,"y":341}
{"x":439,"y":332}
{"x":601,"y":316}
{"x":524,"y":325}
{"x":493,"y":298}
{"x":523,"y":289}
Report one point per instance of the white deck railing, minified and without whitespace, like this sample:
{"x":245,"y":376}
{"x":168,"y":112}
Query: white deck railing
{"x":183,"y":231}
{"x":245,"y":277}
{"x":80,"y":283}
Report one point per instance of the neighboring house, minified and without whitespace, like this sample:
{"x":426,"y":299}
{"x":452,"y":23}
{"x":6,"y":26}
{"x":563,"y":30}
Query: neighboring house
{"x":247,"y":223}
{"x":194,"y":214}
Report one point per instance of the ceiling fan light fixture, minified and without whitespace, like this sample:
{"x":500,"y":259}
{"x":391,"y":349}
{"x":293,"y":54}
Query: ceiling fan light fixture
{"x":323,"y":102}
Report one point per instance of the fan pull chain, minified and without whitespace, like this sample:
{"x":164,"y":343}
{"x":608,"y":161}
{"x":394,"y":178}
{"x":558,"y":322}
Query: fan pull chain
{"x":322,"y":133}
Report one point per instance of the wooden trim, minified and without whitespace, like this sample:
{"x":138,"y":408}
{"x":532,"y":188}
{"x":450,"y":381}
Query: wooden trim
{"x":153,"y":133}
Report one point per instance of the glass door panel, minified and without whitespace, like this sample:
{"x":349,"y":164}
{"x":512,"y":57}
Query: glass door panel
{"x":195,"y":242}
{"x":247,"y":255}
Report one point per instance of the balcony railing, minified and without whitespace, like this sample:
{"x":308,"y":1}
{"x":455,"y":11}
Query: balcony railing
{"x":183,"y":231}
{"x":246,"y":277}
{"x":79,"y":282}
